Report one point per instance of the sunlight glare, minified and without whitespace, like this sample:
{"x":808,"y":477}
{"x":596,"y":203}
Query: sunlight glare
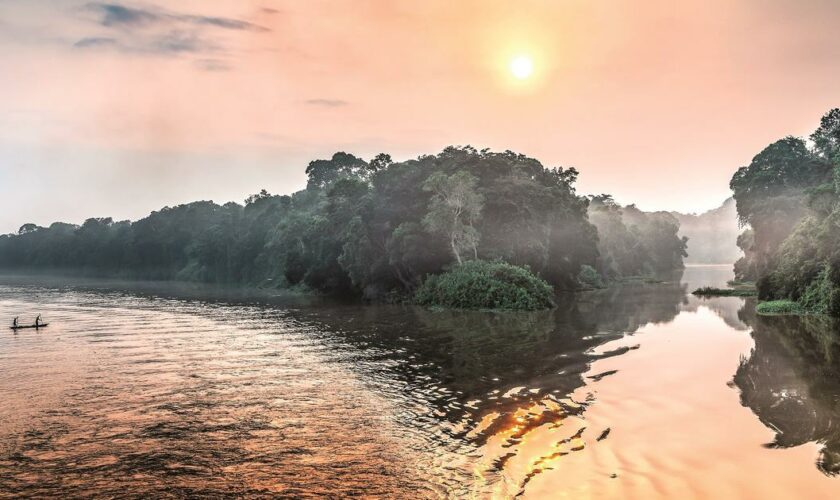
{"x":521,"y":67}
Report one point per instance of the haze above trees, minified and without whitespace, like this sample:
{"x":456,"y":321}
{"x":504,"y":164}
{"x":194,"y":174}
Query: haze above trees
{"x":712,"y":235}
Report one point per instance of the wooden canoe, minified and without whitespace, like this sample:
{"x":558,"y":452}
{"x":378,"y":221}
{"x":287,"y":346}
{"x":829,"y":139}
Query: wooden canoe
{"x":21,"y":327}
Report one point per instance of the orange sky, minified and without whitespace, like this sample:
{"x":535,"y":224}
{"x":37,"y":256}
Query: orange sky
{"x":115,"y":109}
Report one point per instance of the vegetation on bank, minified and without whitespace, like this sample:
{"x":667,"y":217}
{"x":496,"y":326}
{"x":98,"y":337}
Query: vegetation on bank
{"x":589,"y":278}
{"x":708,"y":291}
{"x":789,"y":197}
{"x":371,"y":229}
{"x":479,"y":284}
{"x":771,"y":307}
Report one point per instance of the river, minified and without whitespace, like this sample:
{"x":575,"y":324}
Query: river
{"x":639,"y":391}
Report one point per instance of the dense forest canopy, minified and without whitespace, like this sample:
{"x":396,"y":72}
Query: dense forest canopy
{"x":789,"y":195}
{"x":371,"y":228}
{"x":635,"y":243}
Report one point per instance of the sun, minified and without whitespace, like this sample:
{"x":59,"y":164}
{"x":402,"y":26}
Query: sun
{"x":521,"y":67}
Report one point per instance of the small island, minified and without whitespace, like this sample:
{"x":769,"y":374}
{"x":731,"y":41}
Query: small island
{"x":708,"y":291}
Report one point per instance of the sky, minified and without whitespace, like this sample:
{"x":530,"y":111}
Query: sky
{"x":120,"y":108}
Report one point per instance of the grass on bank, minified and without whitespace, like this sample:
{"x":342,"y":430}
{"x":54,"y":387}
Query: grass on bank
{"x":478,"y":284}
{"x":708,"y":291}
{"x":772,"y":307}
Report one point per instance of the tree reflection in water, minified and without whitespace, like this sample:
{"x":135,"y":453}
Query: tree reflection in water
{"x":471,"y":403}
{"x":487,"y":380}
{"x":791,"y":381}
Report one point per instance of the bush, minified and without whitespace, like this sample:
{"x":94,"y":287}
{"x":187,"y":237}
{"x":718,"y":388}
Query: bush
{"x":818,"y":294}
{"x":779,"y":307}
{"x":589,"y":277}
{"x":480,"y":284}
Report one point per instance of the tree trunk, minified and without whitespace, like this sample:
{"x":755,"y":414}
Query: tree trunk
{"x":455,"y":249}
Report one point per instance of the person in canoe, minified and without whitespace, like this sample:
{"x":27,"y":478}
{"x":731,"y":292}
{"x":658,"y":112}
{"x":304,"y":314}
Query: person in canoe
{"x":14,"y":322}
{"x":38,"y":321}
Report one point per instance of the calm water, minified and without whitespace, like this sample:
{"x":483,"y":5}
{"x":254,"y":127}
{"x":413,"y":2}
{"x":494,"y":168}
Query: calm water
{"x":637,"y":392}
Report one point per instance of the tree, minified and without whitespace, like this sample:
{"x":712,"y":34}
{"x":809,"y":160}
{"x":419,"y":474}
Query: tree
{"x":771,"y":195}
{"x":790,"y":196}
{"x":632,"y":242}
{"x":827,"y":137}
{"x":454,"y":209}
{"x":380,"y":162}
{"x":263,"y":194}
{"x":369,"y":229}
{"x":322,"y":173}
{"x":28,"y":228}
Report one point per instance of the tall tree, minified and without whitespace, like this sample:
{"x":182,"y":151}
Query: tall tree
{"x":454,"y":209}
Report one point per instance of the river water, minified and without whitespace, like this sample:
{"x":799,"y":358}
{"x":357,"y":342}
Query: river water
{"x":639,"y":391}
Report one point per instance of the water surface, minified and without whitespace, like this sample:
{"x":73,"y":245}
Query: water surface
{"x":640,"y":391}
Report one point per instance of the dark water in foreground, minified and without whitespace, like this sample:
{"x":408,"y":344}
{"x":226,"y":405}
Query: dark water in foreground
{"x":638,"y":392}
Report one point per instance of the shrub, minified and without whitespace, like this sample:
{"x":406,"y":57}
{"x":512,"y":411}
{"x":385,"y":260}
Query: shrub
{"x":779,"y":307}
{"x":818,"y":294}
{"x":589,"y":277}
{"x":480,"y":284}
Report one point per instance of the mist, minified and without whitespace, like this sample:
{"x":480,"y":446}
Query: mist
{"x":712,"y":235}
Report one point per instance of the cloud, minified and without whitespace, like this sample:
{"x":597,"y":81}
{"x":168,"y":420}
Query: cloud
{"x":155,"y":31}
{"x":176,"y":42}
{"x":95,"y":42}
{"x":327,"y":103}
{"x":117,"y":15}
{"x":213,"y":65}
{"x":222,"y":22}
{"x":168,"y":43}
{"x":120,"y":15}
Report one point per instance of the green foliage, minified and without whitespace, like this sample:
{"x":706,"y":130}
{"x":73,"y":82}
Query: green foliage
{"x":323,"y":173}
{"x":508,"y":207}
{"x":778,"y":307}
{"x":590,"y":278}
{"x":454,"y":209}
{"x":771,"y":195}
{"x":745,"y":267}
{"x":827,"y":137}
{"x":708,"y":291}
{"x":362,"y":228}
{"x":480,"y":284}
{"x":789,"y":197}
{"x":818,"y":294}
{"x":635,"y":243}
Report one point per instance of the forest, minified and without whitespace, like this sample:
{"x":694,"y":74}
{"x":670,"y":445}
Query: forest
{"x":788,"y":197}
{"x":374,"y":229}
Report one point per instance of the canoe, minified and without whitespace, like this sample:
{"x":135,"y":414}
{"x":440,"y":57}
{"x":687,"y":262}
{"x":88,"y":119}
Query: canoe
{"x":21,"y":327}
